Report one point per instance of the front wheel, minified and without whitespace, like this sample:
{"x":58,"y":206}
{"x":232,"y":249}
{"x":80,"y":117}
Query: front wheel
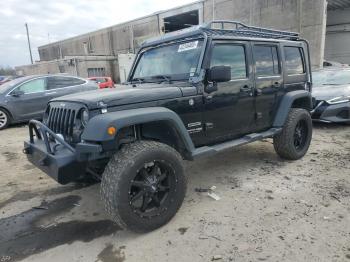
{"x":143,"y":185}
{"x":4,"y":119}
{"x":294,"y":140}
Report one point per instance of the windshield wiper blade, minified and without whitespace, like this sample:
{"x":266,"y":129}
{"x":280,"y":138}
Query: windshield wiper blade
{"x":164,"y":77}
{"x":138,"y":79}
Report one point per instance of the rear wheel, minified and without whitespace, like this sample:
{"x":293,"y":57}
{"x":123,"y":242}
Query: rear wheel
{"x":143,"y":185}
{"x":4,"y":119}
{"x":294,"y":140}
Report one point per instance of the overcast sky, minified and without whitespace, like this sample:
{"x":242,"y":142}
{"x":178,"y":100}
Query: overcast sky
{"x":50,"y":21}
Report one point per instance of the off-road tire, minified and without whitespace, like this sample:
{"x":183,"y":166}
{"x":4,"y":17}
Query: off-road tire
{"x":116,"y":182}
{"x":284,"y":141}
{"x":5,"y":116}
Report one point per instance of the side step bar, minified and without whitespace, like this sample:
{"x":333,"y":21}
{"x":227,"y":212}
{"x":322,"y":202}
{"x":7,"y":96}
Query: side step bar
{"x":211,"y":150}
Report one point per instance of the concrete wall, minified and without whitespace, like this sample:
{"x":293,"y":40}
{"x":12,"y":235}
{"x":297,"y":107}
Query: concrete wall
{"x":72,"y":66}
{"x":337,"y":47}
{"x":305,"y":16}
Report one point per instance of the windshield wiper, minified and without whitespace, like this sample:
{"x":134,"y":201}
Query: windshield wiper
{"x":138,"y":79}
{"x":164,"y":77}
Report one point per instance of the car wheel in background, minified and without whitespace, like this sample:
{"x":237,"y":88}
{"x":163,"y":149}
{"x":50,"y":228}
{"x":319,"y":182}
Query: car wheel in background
{"x":4,"y":119}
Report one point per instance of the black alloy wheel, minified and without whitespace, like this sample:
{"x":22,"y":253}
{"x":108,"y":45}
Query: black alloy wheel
{"x":144,"y":185}
{"x":300,"y":135}
{"x":150,"y":189}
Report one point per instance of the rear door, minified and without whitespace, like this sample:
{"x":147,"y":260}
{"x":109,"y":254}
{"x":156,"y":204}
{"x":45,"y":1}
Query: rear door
{"x":295,"y":67}
{"x":64,"y":85}
{"x":229,"y":112}
{"x":268,"y":82}
{"x":32,"y":102}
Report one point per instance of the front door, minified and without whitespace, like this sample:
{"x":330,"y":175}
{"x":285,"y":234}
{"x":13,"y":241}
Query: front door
{"x":229,"y":112}
{"x":268,"y":83}
{"x":64,"y":85}
{"x":32,"y":101}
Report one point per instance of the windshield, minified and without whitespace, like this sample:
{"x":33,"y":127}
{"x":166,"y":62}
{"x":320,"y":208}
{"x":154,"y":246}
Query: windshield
{"x":172,"y":62}
{"x":339,"y":77}
{"x":8,"y":85}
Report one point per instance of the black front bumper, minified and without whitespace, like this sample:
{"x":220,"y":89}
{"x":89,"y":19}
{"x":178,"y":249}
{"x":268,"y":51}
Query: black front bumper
{"x":331,"y":113}
{"x":50,"y":153}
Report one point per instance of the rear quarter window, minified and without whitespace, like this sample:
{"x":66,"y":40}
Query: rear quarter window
{"x":294,"y":60}
{"x":61,"y":82}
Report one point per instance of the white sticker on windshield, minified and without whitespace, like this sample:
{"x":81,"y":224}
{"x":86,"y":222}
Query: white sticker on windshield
{"x":187,"y":46}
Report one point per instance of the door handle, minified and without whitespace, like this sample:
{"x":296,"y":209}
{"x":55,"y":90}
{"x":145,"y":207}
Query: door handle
{"x":276,"y":84}
{"x":208,"y":98}
{"x":258,"y":92}
{"x":246,"y":88}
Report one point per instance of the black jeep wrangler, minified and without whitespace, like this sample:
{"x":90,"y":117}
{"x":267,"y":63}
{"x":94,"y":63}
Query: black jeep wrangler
{"x":189,"y":94}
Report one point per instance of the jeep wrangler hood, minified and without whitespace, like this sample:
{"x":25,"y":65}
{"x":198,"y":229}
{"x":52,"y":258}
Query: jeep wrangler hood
{"x":123,"y":95}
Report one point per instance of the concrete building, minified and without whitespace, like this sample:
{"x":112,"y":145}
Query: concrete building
{"x":109,"y":51}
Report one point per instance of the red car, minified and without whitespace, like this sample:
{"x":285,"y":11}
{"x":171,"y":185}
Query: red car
{"x":103,"y":81}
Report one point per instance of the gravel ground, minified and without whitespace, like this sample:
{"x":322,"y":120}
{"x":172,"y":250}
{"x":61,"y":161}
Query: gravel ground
{"x":270,"y":209}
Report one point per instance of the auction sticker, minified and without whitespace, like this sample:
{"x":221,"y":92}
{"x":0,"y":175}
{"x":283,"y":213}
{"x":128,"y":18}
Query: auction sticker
{"x":187,"y":46}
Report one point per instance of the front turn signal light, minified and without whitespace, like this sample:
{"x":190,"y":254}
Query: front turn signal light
{"x":111,"y":131}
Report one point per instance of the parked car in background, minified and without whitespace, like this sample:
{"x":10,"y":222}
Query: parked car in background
{"x":103,"y":81}
{"x":5,"y":79}
{"x":333,"y":64}
{"x":331,"y":95}
{"x":26,"y":98}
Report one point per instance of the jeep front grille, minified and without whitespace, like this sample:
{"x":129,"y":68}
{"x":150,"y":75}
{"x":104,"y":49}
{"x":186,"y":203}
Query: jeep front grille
{"x":61,"y":121}
{"x":63,"y":118}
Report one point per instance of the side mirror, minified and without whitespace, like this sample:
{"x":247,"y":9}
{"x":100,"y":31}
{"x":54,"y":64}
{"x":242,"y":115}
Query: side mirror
{"x":17,"y":93}
{"x":218,"y":74}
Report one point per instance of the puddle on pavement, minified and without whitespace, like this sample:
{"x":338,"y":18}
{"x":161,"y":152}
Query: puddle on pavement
{"x":25,"y":234}
{"x":27,"y":195}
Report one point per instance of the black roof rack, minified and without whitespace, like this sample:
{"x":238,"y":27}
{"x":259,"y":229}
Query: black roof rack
{"x":223,"y":28}
{"x":235,"y":28}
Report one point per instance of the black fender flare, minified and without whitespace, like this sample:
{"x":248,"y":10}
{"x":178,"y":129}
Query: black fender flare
{"x":96,"y":129}
{"x":287,"y":103}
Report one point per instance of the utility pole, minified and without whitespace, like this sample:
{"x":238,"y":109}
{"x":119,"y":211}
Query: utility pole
{"x":30,"y":49}
{"x":213,"y":9}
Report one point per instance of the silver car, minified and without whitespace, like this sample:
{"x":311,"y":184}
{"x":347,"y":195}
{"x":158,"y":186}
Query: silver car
{"x":331,"y":94}
{"x":26,"y":98}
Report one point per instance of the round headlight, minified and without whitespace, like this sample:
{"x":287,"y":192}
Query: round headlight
{"x":84,"y":117}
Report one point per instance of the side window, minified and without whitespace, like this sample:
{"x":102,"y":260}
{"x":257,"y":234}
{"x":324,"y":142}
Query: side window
{"x":266,"y":60}
{"x":77,"y":81}
{"x":34,"y":86}
{"x":230,"y":55}
{"x":55,"y":82}
{"x":100,"y":80}
{"x":294,"y":60}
